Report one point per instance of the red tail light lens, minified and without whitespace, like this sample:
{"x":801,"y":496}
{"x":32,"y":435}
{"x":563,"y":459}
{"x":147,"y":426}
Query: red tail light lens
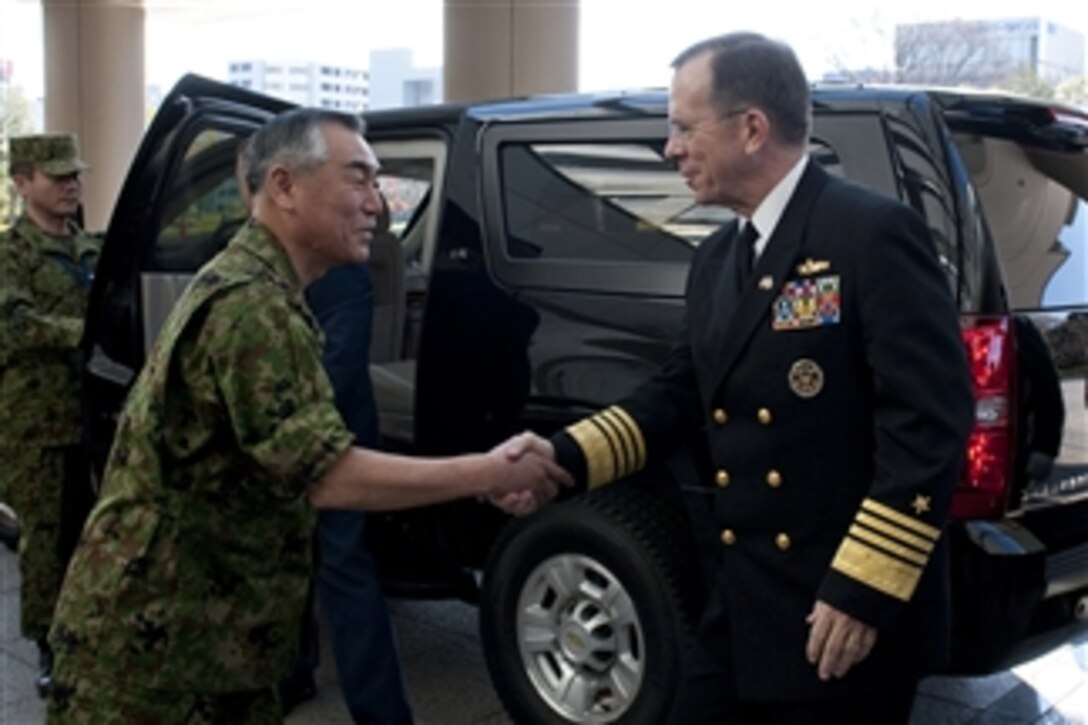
{"x":988,"y":474}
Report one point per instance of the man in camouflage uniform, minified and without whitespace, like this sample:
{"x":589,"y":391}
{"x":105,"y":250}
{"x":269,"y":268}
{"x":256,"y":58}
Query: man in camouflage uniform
{"x":183,"y":599}
{"x":46,"y":267}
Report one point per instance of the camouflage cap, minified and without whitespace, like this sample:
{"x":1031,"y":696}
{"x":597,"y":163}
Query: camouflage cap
{"x":56,"y":154}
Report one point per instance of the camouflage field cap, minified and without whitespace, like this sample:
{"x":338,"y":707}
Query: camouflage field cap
{"x":56,"y":154}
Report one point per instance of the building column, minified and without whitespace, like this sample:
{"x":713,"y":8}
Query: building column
{"x":94,"y":87}
{"x":504,"y":48}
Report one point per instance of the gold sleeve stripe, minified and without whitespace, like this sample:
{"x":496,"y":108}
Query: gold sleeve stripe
{"x":615,"y":444}
{"x":887,"y":512}
{"x":635,"y":434}
{"x":600,"y":465}
{"x":895,"y":532}
{"x":620,"y":442}
{"x":903,"y":552}
{"x":876,"y":569}
{"x":612,"y":444}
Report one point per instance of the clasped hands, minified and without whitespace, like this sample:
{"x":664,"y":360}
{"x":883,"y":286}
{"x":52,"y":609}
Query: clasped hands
{"x":526,"y":475}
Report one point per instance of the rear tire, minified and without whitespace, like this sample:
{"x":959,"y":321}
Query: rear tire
{"x":588,"y":607}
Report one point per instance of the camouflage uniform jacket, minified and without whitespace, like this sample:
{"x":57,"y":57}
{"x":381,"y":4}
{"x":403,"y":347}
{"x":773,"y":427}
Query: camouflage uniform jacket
{"x":193,"y":567}
{"x":44,"y":283}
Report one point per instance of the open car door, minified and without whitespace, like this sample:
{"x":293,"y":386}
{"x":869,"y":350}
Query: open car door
{"x":178,"y":206}
{"x":1028,"y":161}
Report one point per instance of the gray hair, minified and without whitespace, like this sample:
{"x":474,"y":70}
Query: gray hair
{"x":751,"y":69}
{"x":293,"y":139}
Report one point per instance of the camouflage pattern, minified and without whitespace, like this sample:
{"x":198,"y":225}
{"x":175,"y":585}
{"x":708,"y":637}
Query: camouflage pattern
{"x":39,"y":509}
{"x":56,"y":154}
{"x":44,"y":283}
{"x":89,"y":702}
{"x":193,"y":567}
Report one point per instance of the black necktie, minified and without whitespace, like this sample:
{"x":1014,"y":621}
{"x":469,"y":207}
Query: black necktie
{"x":746,"y":252}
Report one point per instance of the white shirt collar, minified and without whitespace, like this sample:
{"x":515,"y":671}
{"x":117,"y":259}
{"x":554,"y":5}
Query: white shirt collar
{"x":769,"y":211}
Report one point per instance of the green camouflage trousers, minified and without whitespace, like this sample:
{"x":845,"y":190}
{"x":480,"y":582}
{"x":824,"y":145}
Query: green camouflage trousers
{"x":84,"y":701}
{"x":34,"y":481}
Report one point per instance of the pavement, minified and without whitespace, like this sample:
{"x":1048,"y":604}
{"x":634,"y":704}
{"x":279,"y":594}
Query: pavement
{"x":448,"y":682}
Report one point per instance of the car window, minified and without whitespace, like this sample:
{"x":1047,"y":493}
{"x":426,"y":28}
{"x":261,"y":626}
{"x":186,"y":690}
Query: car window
{"x":203,"y":206}
{"x":600,"y":201}
{"x":597,"y":207}
{"x":406,"y":185}
{"x":411,"y":171}
{"x":929,"y":191}
{"x":620,"y":202}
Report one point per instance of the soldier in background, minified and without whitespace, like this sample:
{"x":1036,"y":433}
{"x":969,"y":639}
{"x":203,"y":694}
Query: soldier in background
{"x":46,"y":268}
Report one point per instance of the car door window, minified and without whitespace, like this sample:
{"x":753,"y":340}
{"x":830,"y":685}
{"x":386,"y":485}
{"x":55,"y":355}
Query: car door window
{"x":200,"y":213}
{"x":203,"y":206}
{"x":599,"y":207}
{"x":599,"y":201}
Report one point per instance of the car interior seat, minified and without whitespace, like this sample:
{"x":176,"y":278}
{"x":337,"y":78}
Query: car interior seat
{"x":387,"y":270}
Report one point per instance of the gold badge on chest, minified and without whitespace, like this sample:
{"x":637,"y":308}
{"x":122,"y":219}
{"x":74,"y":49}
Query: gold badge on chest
{"x":806,"y":378}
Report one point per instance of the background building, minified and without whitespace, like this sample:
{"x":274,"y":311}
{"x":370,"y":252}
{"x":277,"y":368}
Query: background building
{"x":396,"y":82}
{"x":986,"y":53}
{"x":309,"y":84}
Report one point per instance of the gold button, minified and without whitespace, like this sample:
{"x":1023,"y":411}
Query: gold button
{"x":722,"y":477}
{"x":764,"y":416}
{"x":720,"y":417}
{"x":728,"y":537}
{"x":774,"y":479}
{"x":782,"y":541}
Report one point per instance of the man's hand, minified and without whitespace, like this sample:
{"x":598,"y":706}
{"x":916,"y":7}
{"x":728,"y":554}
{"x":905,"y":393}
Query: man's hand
{"x":836,"y":641}
{"x":528,"y":442}
{"x":531,"y":477}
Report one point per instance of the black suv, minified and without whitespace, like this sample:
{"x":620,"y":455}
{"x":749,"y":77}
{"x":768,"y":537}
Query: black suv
{"x":534,"y":272}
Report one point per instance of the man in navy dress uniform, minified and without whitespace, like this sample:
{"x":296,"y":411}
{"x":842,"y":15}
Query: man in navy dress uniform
{"x":821,"y":354}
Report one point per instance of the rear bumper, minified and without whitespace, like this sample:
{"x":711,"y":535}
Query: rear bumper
{"x":1004,"y":571}
{"x":1058,"y":518}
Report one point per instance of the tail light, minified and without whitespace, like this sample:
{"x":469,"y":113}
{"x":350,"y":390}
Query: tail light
{"x":988,"y":474}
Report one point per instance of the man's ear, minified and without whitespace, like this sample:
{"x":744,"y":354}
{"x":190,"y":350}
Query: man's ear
{"x":279,"y":187}
{"x":22,"y":182}
{"x":757,"y":129}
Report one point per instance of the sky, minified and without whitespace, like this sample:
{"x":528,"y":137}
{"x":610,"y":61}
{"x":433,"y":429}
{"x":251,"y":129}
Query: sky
{"x":623,"y":43}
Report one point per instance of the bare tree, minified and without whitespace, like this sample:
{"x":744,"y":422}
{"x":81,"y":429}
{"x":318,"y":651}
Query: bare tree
{"x":1028,"y":83}
{"x":1074,"y":91}
{"x":955,"y":53}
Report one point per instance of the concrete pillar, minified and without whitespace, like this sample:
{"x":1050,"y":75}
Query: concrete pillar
{"x":504,"y":48}
{"x":94,"y":87}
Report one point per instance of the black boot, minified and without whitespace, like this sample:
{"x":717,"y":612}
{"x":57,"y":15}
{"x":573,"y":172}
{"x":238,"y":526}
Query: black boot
{"x":45,"y":669}
{"x":9,"y":528}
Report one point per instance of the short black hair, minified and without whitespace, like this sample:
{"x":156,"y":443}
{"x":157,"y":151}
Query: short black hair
{"x":749,"y":68}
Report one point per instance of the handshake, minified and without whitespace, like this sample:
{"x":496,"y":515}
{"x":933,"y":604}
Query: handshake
{"x":524,"y":474}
